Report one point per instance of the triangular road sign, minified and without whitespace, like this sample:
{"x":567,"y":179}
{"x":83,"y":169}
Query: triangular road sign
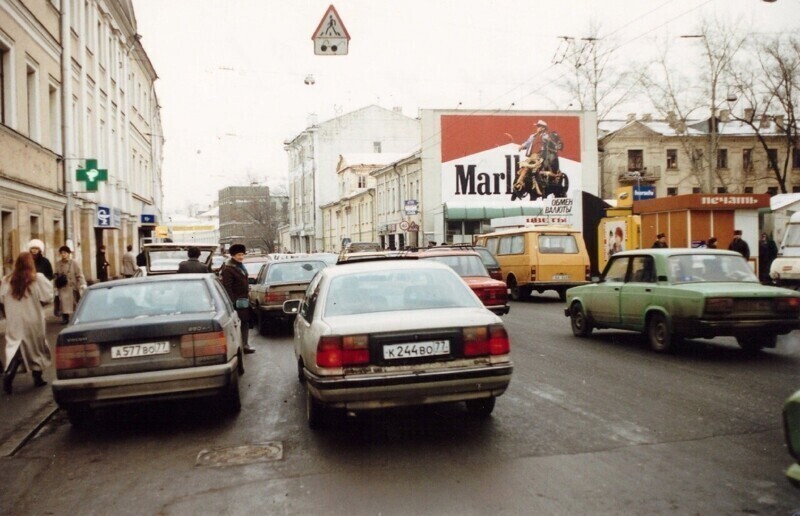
{"x":331,"y":37}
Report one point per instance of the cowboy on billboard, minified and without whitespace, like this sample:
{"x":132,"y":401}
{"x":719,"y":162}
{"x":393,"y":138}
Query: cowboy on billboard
{"x":539,"y":173}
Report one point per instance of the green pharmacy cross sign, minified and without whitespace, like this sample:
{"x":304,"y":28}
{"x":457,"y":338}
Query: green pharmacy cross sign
{"x":91,"y":175}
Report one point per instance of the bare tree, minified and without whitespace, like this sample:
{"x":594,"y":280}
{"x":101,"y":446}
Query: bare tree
{"x":769,"y":85}
{"x":676,"y":95}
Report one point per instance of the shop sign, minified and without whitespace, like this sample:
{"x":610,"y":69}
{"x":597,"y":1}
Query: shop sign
{"x":108,"y":217}
{"x":410,"y":207}
{"x":147,"y":220}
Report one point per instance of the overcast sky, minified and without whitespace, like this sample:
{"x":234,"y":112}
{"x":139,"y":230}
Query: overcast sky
{"x":231,"y":72}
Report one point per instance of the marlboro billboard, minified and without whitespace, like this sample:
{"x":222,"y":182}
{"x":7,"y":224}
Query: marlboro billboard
{"x":511,"y":163}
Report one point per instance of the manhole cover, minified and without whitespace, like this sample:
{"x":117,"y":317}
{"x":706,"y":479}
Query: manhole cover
{"x":239,"y":455}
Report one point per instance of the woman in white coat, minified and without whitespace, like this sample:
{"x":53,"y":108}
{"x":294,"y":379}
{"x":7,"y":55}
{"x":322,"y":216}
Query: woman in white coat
{"x":69,"y":290}
{"x":24,"y":293}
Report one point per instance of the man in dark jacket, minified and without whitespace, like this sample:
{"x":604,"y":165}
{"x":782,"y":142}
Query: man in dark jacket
{"x":661,"y":241}
{"x":193,"y":264}
{"x":739,"y":245}
{"x":102,"y":264}
{"x":234,"y":279}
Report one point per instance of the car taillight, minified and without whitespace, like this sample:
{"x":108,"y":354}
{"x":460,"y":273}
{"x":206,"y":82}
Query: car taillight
{"x":204,"y":344}
{"x":77,"y":356}
{"x":493,"y":295}
{"x":276,"y":297}
{"x":496,"y":274}
{"x":486,"y":340}
{"x":338,"y":351}
{"x":533,"y":273}
{"x":587,"y":272}
{"x":787,"y":304}
{"x":719,"y":305}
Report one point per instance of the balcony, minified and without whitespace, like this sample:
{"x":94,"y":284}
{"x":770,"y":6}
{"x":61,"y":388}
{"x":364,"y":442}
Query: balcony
{"x":646,"y":175}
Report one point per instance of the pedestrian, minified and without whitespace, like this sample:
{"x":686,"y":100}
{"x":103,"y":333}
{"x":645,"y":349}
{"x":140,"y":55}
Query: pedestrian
{"x":712,"y":243}
{"x":102,"y":264}
{"x":36,"y":248}
{"x":129,"y":267}
{"x":141,"y":260}
{"x":70,"y":284}
{"x":193,"y":264}
{"x":739,"y":245}
{"x":661,"y":241}
{"x":767,"y":252}
{"x":23,"y":294}
{"x":234,"y":279}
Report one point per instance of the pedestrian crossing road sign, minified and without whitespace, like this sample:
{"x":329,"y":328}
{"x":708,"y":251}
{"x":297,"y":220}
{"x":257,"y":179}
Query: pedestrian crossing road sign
{"x":331,"y":37}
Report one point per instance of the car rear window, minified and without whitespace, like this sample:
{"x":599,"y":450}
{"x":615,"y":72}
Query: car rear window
{"x":145,"y":299}
{"x":694,"y":268}
{"x":464,"y":265}
{"x":390,"y":291}
{"x":294,"y":270}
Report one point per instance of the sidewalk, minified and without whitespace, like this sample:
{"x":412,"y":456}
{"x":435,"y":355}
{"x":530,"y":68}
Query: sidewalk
{"x":28,"y":406}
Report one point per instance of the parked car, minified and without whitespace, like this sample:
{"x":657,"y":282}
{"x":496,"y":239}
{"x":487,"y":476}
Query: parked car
{"x":143,"y":339}
{"x":791,"y":425}
{"x":216,"y":262}
{"x":279,"y":281}
{"x":488,"y":259}
{"x":468,"y":264}
{"x":670,"y":294}
{"x":164,"y":258}
{"x":386,"y":333}
{"x":253,"y":264}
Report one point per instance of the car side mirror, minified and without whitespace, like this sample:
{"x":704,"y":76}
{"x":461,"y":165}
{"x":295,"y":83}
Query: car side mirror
{"x":292,"y":306}
{"x":251,"y":281}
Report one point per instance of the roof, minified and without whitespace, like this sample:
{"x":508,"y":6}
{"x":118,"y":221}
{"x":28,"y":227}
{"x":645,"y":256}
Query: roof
{"x":673,"y":251}
{"x":694,"y":127}
{"x":379,"y":159}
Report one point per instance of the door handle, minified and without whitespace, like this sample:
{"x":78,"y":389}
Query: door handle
{"x":616,"y":288}
{"x":648,"y":290}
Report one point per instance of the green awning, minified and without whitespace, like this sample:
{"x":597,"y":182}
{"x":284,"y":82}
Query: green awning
{"x":489,"y":212}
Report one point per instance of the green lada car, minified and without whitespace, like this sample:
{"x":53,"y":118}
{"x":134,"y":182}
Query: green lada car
{"x":791,"y":424}
{"x":671,"y":294}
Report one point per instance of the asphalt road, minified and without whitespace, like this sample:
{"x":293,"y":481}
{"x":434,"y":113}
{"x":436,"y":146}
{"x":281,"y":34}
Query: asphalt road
{"x":599,"y":425}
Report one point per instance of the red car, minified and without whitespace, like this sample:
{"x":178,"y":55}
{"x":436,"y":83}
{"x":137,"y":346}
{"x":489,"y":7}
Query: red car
{"x":469,"y":265}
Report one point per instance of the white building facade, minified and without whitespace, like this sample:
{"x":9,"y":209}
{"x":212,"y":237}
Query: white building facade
{"x":314,"y":156}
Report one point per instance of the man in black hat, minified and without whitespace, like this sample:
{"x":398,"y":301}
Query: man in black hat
{"x":234,"y":278}
{"x":661,"y":241}
{"x":739,"y":245}
{"x":712,"y":243}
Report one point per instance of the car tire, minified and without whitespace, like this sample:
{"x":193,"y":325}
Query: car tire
{"x":80,"y":416}
{"x":301,"y":377}
{"x":581,"y":327}
{"x":314,"y":411}
{"x":754,"y":343}
{"x":659,"y":334}
{"x":232,"y":398}
{"x":240,"y":357}
{"x":481,"y":407}
{"x":263,"y":323}
{"x":516,"y":292}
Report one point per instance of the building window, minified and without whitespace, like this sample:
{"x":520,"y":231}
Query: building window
{"x":795,"y":158}
{"x":696,"y":189}
{"x":795,"y":189}
{"x":635,"y":160}
{"x":55,"y":117}
{"x":722,"y":158}
{"x":376,"y":147}
{"x":35,"y":229}
{"x":722,"y":189}
{"x":32,"y":88}
{"x":672,"y":159}
{"x":772,"y":190}
{"x":772,"y":159}
{"x":362,"y":182}
{"x":5,"y":61}
{"x":672,"y":191}
{"x":747,"y":159}
{"x":748,"y":189}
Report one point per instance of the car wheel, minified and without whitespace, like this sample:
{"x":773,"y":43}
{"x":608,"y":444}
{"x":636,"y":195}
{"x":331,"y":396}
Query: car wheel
{"x":581,"y":327}
{"x":314,"y":411}
{"x":301,"y":377}
{"x":755,"y":343}
{"x":263,"y":323}
{"x":481,"y":407}
{"x":232,"y":398}
{"x":516,"y":292}
{"x":80,"y":416}
{"x":661,"y":338}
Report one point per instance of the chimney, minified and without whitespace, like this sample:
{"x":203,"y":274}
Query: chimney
{"x":647,"y":117}
{"x":764,"y":122}
{"x":748,"y":114}
{"x":725,"y":115}
{"x":779,"y":123}
{"x":631,"y":117}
